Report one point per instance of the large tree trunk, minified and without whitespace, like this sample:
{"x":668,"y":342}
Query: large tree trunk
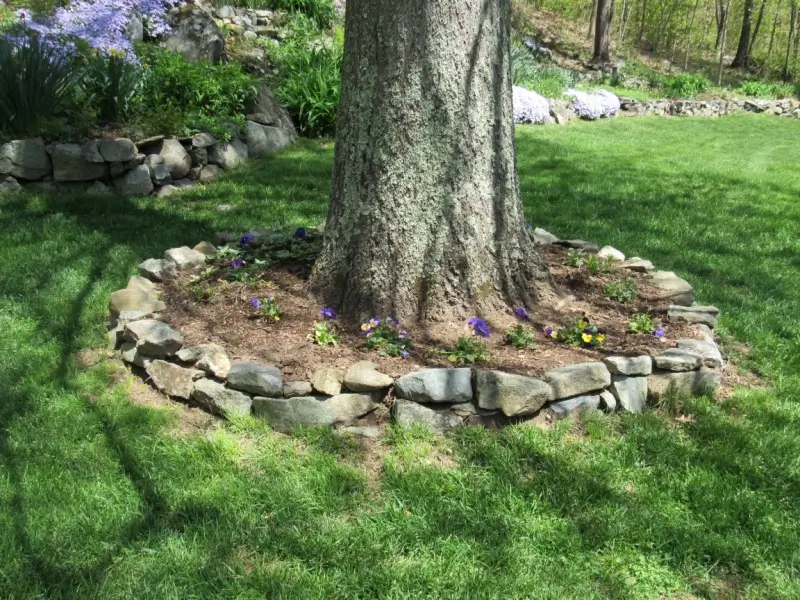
{"x":592,"y":21}
{"x":743,"y":50}
{"x":602,"y":33}
{"x":425,"y":221}
{"x":723,"y":40}
{"x":787,"y":74}
{"x":756,"y":29}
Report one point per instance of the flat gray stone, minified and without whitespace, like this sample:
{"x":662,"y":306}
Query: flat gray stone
{"x":676,"y":359}
{"x":704,"y":331}
{"x":154,"y":338}
{"x":140,"y":283}
{"x":687,"y":383}
{"x":262,"y":139}
{"x":285,"y":414}
{"x":367,"y":432}
{"x":712,"y":357}
{"x":165,"y":191}
{"x":327,"y":381}
{"x":263,"y":380}
{"x":185,"y":258}
{"x":464,"y":409}
{"x":119,"y":150}
{"x":612,"y":253}
{"x":206,"y":248}
{"x":228,"y":155}
{"x":514,"y":395}
{"x":218,"y":399}
{"x":673,"y":288}
{"x":705,"y":315}
{"x":629,"y":365}
{"x":209,"y":173}
{"x":130,"y":354}
{"x":561,"y":409}
{"x":173,"y":380}
{"x":203,"y":140}
{"x":407,"y":414}
{"x":209,"y":358}
{"x":157,"y":269}
{"x":630,"y":392}
{"x":608,"y":401}
{"x":133,"y":300}
{"x":176,"y":159}
{"x":9,"y":185}
{"x":588,"y":247}
{"x":434,"y":386}
{"x":90,"y":152}
{"x":638,"y":265}
{"x":348,"y":407}
{"x":576,"y":380}
{"x":69,"y":165}
{"x":364,"y":377}
{"x":135,"y":183}
{"x":25,"y":159}
{"x":293,"y":389}
{"x":543,"y":237}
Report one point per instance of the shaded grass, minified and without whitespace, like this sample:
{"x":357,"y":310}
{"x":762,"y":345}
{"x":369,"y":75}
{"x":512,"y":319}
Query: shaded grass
{"x":97,"y":500}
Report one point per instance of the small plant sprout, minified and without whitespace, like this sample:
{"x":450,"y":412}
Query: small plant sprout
{"x":644,"y":323}
{"x":576,"y":258}
{"x":324,"y":333}
{"x":267,"y":308}
{"x":581,"y":334}
{"x":623,"y":291}
{"x":596,"y":265}
{"x":386,"y":337}
{"x":468,"y":350}
{"x":521,"y":335}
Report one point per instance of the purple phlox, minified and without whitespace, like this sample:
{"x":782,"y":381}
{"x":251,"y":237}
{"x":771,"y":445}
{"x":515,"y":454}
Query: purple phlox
{"x":328,"y":313}
{"x":256,"y":303}
{"x":237,"y":263}
{"x":246,"y":239}
{"x":522,"y":314}
{"x":659,"y":331}
{"x":479,"y":327}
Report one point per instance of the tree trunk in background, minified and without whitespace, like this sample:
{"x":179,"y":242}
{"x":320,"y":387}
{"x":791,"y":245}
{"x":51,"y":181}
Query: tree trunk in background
{"x":592,"y":21}
{"x":742,"y":57}
{"x":602,"y":33}
{"x":642,"y":23}
{"x":724,"y":38}
{"x":624,"y":20}
{"x":787,"y":75}
{"x":721,"y":13}
{"x":772,"y":36}
{"x":425,"y":221}
{"x":756,"y":29}
{"x":689,"y":36}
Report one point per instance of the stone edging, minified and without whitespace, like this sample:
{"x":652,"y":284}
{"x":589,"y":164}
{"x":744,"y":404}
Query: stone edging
{"x":441,"y":398}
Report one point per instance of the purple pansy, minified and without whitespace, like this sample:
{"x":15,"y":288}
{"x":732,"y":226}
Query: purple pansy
{"x":300,"y":233}
{"x":237,"y":263}
{"x":246,"y":239}
{"x":256,"y":303}
{"x":522,"y":314}
{"x":328,"y":313}
{"x":659,"y":332}
{"x":404,"y":354}
{"x":479,"y":327}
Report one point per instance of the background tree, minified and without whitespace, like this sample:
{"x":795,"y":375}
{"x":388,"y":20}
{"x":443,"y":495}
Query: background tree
{"x":425,"y":220}
{"x":602,"y":32}
{"x":743,"y":49}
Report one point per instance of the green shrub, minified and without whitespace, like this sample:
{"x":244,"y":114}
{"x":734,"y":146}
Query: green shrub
{"x":763,"y":89}
{"x":685,"y":85}
{"x":181,"y":97}
{"x":321,"y":11}
{"x":36,"y":84}
{"x":548,"y":80}
{"x":111,"y":84}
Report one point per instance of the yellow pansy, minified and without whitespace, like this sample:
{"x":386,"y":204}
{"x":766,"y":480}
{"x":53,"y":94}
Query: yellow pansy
{"x":600,"y":338}
{"x":587,"y":337}
{"x":365,"y":327}
{"x":582,"y":324}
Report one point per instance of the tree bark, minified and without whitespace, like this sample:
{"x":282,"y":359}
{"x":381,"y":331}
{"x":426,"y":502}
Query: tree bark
{"x":724,"y":39}
{"x":772,"y":36}
{"x":721,"y":13}
{"x":689,"y":37}
{"x":592,"y":21}
{"x":757,"y":28}
{"x":642,"y":23}
{"x":792,"y":28}
{"x":602,"y":33}
{"x":425,"y":220}
{"x":743,"y":50}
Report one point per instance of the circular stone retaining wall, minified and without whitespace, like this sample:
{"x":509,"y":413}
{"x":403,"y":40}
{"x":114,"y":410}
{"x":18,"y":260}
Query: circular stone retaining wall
{"x":441,"y":398}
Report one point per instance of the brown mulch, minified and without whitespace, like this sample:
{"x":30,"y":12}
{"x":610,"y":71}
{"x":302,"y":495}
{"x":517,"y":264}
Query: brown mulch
{"x":227,"y":318}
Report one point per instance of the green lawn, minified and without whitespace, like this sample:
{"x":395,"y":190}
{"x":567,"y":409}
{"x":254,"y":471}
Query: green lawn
{"x":100,"y":499}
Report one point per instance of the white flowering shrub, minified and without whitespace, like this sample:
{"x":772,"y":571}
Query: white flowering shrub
{"x":529,"y":107}
{"x":594,"y":105}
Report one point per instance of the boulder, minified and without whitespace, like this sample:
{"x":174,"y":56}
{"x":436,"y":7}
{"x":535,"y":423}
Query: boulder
{"x":98,"y":188}
{"x":712,"y":357}
{"x":133,"y":300}
{"x":704,"y":315}
{"x":196,"y":36}
{"x":139,"y":282}
{"x":69,"y":165}
{"x":543,"y":238}
{"x":407,"y":414}
{"x":160,"y":174}
{"x":293,"y":389}
{"x":267,"y":111}
{"x":199,"y":157}
{"x":130,"y":354}
{"x":630,"y":392}
{"x":514,"y":395}
{"x":638,"y":265}
{"x":157,"y":269}
{"x":576,"y":380}
{"x":9,"y":185}
{"x":348,"y":407}
{"x":435,"y":386}
{"x":209,"y":358}
{"x":327,"y":380}
{"x":629,"y":365}
{"x":154,"y":338}
{"x":119,"y":150}
{"x":285,"y":414}
{"x":364,"y":377}
{"x":25,"y":159}
{"x":677,"y":359}
{"x":185,"y":258}
{"x":218,"y":399}
{"x":687,"y":383}
{"x":206,"y":248}
{"x":608,"y":401}
{"x":176,"y":159}
{"x":208,"y":173}
{"x":203,"y":140}
{"x":135,"y":183}
{"x":367,"y":432}
{"x":90,"y":152}
{"x":165,"y":191}
{"x":264,"y":380}
{"x":263,"y":139}
{"x":561,"y":409}
{"x":672,"y":288}
{"x":228,"y":155}
{"x":612,"y":253}
{"x":173,"y":380}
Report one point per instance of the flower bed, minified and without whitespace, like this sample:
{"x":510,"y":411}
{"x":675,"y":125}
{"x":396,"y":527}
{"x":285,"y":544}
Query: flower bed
{"x":231,"y":328}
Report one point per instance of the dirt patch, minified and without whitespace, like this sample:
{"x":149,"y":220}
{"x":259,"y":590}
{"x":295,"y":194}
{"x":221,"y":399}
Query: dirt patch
{"x":220,"y":311}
